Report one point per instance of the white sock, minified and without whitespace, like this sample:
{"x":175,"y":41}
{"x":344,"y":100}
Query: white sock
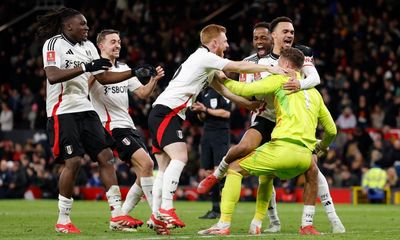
{"x":147,"y":187}
{"x":256,"y":222}
{"x":157,"y":191}
{"x":325,"y":197}
{"x":223,"y":225}
{"x":114,"y":200}
{"x":221,"y":169}
{"x":272,"y":211}
{"x":170,"y":183}
{"x":64,"y":209}
{"x":132,"y":198}
{"x":308,"y":215}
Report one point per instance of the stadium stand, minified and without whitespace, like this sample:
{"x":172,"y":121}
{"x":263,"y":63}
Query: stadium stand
{"x":356,"y":50}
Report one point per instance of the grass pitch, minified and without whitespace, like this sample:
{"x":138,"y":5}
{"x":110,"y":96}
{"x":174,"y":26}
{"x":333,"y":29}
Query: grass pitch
{"x":21,"y":219}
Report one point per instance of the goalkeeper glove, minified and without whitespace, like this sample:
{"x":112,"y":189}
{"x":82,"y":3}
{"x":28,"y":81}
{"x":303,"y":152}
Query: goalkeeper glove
{"x":144,"y":71}
{"x":319,"y":150}
{"x":96,"y":65}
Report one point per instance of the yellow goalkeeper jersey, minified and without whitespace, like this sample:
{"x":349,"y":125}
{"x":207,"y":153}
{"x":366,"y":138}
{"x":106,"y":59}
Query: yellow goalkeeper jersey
{"x":297,"y":114}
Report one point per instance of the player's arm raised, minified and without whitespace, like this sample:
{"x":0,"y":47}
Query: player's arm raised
{"x":57,"y":75}
{"x":249,"y":67}
{"x":264,"y":86}
{"x":145,"y":91}
{"x":222,"y":90}
{"x":108,"y":77}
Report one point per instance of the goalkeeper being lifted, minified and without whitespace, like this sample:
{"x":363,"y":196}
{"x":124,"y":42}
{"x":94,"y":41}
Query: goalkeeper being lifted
{"x":289,"y":153}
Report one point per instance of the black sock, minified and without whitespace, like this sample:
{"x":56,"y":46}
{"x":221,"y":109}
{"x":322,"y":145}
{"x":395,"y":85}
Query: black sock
{"x":216,"y":198}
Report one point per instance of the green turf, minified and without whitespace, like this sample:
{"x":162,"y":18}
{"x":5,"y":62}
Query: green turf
{"x":21,"y":219}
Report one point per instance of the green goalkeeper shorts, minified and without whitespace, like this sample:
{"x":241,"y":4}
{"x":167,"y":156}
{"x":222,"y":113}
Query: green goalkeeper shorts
{"x":277,"y":158}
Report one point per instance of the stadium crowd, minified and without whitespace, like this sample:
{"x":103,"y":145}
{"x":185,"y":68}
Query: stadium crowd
{"x":356,"y":50}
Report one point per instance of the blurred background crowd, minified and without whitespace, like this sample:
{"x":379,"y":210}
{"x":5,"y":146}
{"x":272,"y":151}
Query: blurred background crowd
{"x":356,"y":51}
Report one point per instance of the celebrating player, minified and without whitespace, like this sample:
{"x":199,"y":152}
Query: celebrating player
{"x":111,"y":102}
{"x":169,"y":111}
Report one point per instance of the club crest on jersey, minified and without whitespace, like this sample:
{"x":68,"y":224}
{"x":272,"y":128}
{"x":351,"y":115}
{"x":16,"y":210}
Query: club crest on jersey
{"x":69,"y":149}
{"x":213,"y":102}
{"x":179,"y":134}
{"x":51,"y":56}
{"x":126,"y":141}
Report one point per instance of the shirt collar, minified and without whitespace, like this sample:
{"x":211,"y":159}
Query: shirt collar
{"x":204,"y":46}
{"x":69,"y":40}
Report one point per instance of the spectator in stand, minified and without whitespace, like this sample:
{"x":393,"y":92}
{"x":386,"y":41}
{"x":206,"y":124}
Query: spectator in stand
{"x":377,"y":116}
{"x":19,"y":181}
{"x":6,"y":118}
{"x":362,"y":112}
{"x":393,"y":178}
{"x":95,"y":180}
{"x":347,"y":119}
{"x":344,"y":178}
{"x":5,"y":178}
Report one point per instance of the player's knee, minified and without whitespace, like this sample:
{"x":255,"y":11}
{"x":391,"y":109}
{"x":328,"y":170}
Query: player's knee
{"x":144,"y":166}
{"x":148,"y":167}
{"x":73,"y":163}
{"x":312,"y":172}
{"x":106,"y":157}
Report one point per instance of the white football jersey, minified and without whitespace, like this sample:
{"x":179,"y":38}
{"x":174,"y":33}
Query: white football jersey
{"x":267,"y":108}
{"x":111,"y":101}
{"x":190,"y":78}
{"x":72,"y":95}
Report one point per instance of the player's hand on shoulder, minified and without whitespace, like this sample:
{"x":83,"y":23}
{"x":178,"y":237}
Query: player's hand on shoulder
{"x":293,"y":85}
{"x":97,"y":64}
{"x":278,"y":70}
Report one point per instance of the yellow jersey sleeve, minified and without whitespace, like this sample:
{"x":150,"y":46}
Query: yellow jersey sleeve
{"x":263,"y":86}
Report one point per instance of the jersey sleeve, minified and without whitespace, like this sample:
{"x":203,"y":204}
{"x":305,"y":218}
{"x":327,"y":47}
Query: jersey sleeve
{"x":264,"y":61}
{"x":133,"y":84}
{"x":213,"y":61}
{"x":311,"y":79}
{"x":264,"y":86}
{"x":225,"y":103}
{"x":326,"y":121}
{"x":51,"y":53}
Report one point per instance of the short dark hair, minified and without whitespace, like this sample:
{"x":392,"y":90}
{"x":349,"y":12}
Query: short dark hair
{"x":277,"y":20}
{"x":261,"y":25}
{"x":102,"y":35}
{"x":295,"y":56}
